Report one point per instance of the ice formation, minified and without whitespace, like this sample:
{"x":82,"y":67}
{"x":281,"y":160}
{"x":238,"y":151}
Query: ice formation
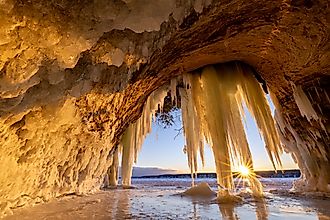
{"x":191,"y":132}
{"x":202,"y":190}
{"x":73,"y":75}
{"x":305,"y":107}
{"x":212,"y":111}
{"x":314,"y":168}
{"x":135,"y":134}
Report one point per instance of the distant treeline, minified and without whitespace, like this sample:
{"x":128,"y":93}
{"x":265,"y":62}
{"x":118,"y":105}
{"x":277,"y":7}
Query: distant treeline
{"x":265,"y":174}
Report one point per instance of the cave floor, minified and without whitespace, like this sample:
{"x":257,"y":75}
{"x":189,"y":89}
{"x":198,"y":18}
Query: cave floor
{"x":158,"y":199}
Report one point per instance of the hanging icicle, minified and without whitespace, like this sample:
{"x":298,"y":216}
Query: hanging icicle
{"x":255,"y":99}
{"x":135,"y":134}
{"x":304,"y":105}
{"x":212,"y":111}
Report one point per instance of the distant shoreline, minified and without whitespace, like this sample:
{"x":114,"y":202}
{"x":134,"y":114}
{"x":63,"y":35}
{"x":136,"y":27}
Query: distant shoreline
{"x":293,"y":173}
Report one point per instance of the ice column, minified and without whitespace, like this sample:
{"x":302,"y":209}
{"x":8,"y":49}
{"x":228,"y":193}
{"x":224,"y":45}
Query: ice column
{"x":113,"y":170}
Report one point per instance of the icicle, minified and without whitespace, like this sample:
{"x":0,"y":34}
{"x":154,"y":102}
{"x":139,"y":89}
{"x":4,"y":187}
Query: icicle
{"x":317,"y":175}
{"x":135,"y":134}
{"x":305,"y":107}
{"x":212,"y":111}
{"x":191,"y":132}
{"x":191,"y":122}
{"x":174,"y":83}
{"x":254,"y":97}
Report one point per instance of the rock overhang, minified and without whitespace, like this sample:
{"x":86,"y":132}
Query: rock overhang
{"x":73,"y":76}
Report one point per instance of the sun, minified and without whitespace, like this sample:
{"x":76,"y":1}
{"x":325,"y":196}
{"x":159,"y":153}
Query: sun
{"x":244,"y":171}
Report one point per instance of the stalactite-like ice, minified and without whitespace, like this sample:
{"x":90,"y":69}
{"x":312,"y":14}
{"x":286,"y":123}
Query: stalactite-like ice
{"x":212,"y":111}
{"x":305,"y":107}
{"x":135,"y":134}
{"x":174,"y":83}
{"x":191,"y":131}
{"x":255,"y":99}
{"x":314,"y":172}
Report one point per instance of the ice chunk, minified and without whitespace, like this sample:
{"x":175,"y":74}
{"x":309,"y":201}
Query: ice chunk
{"x":202,"y":190}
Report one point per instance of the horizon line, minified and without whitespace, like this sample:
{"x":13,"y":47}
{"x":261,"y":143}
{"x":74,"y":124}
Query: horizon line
{"x":210,"y":171}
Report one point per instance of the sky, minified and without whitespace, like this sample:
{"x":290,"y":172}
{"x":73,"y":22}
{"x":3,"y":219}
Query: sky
{"x":163,"y":148}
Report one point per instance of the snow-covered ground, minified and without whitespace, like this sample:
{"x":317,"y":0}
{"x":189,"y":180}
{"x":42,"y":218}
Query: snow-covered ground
{"x":159,"y":199}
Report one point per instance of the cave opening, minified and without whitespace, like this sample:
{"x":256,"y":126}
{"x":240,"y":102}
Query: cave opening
{"x":75,"y":75}
{"x":214,"y":102}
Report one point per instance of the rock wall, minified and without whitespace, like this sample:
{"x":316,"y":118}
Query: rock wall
{"x":73,"y":75}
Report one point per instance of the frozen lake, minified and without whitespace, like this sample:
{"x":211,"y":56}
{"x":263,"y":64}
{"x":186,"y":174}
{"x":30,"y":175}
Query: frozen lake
{"x":158,"y":199}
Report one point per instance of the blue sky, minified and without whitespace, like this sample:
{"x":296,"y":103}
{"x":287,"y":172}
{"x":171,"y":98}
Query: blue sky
{"x":162,"y":149}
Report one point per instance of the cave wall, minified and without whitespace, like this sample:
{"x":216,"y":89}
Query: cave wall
{"x":74,"y":75}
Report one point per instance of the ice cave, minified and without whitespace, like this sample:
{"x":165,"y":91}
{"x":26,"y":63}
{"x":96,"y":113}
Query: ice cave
{"x":82,"y":81}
